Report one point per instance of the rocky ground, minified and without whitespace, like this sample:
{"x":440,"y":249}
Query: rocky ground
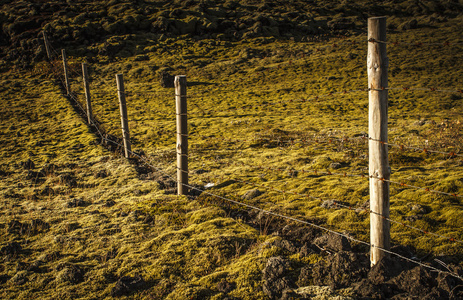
{"x":78,"y":221}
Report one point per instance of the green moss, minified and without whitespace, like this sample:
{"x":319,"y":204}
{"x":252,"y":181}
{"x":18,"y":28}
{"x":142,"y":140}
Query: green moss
{"x":251,"y":90}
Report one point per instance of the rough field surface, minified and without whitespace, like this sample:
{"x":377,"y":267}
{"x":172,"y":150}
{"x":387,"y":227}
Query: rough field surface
{"x":277,"y":117}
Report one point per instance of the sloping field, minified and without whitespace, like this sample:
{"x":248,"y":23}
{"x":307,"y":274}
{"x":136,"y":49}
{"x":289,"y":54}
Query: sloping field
{"x":275,"y":123}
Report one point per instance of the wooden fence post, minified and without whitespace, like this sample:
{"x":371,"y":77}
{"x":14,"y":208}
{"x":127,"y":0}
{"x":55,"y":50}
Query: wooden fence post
{"x":47,"y":47}
{"x":124,"y":119}
{"x":66,"y":78}
{"x":182,"y":134}
{"x":87,"y":93}
{"x":377,"y":64}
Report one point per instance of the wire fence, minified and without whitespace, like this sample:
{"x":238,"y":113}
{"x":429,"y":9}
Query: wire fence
{"x":107,"y":138}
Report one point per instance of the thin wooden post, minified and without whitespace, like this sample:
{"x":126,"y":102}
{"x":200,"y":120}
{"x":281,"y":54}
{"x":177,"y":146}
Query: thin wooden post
{"x":182,"y":134}
{"x":66,"y":78}
{"x":124,"y":119}
{"x":87,"y":93}
{"x":377,"y":64}
{"x":47,"y":47}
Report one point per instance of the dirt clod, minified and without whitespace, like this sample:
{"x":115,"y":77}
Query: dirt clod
{"x":71,"y":273}
{"x":225,"y":286}
{"x":67,"y":179}
{"x":251,"y":194}
{"x":101,"y":174}
{"x":76,"y":202}
{"x":13,"y":248}
{"x":166,"y":80}
{"x":338,"y":270}
{"x":125,"y":285}
{"x":333,"y":242}
{"x":27,"y":165}
{"x":275,"y":281}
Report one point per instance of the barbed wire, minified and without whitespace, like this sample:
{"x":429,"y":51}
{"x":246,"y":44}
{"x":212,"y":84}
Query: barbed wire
{"x":288,"y":140}
{"x":415,"y":148}
{"x":355,"y":209}
{"x":345,"y":174}
{"x":300,"y":100}
{"x":426,"y":189}
{"x":329,"y":140}
{"x":417,"y":44}
{"x":320,"y":96}
{"x":422,"y":89}
{"x":303,"y":171}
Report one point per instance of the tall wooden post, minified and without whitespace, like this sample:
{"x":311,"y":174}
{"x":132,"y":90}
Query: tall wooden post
{"x":66,"y":78}
{"x":124,"y":119}
{"x":377,"y":63}
{"x":47,"y":47}
{"x":182,"y":134}
{"x":87,"y":93}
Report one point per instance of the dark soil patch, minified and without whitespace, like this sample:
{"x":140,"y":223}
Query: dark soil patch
{"x":275,"y":277}
{"x":69,"y":274}
{"x":11,"y":249}
{"x":225,"y":286}
{"x":126,"y":285}
{"x":76,"y":202}
{"x":68,"y":180}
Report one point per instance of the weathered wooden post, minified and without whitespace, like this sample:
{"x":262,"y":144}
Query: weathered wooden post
{"x":377,"y":64}
{"x":47,"y":47}
{"x":182,"y":134}
{"x":66,"y":78}
{"x":124,"y":119}
{"x":87,"y":93}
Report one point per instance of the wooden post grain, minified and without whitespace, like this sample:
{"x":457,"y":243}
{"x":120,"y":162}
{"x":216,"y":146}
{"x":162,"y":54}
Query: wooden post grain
{"x":66,"y":78}
{"x":377,"y":64}
{"x":47,"y":47}
{"x":182,"y":134}
{"x":124,"y":119}
{"x":87,"y":93}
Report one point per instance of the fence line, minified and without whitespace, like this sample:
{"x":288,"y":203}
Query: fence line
{"x":344,"y":174}
{"x":74,"y":97}
{"x":450,"y":154}
{"x":300,"y":221}
{"x":148,"y":163}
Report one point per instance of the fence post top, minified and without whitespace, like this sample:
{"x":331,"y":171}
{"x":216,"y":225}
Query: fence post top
{"x":376,"y":18}
{"x":179,"y":80}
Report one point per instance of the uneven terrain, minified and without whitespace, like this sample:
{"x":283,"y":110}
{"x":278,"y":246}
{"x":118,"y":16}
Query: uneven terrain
{"x":278,"y":120}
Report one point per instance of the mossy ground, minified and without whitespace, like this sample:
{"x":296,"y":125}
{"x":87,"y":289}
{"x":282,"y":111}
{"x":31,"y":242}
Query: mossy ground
{"x":249,"y":91}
